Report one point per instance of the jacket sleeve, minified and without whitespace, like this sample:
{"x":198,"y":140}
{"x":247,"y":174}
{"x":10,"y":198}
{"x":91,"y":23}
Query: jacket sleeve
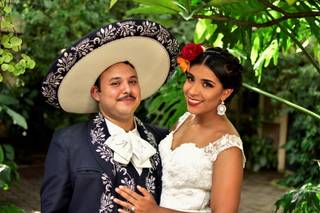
{"x":56,"y":189}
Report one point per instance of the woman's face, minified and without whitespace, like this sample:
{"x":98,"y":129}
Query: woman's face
{"x":203,"y":91}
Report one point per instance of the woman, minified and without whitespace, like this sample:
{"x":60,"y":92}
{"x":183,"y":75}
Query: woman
{"x":202,"y":157}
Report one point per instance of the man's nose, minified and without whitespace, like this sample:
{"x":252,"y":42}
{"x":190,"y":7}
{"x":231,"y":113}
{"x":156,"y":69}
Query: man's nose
{"x":126,"y":87}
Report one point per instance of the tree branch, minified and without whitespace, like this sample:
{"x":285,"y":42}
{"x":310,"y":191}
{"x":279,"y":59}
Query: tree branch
{"x":272,"y":6}
{"x":221,"y":18}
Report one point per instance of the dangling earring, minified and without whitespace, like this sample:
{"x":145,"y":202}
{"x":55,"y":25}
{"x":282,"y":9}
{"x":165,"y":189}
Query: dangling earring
{"x":221,"y":109}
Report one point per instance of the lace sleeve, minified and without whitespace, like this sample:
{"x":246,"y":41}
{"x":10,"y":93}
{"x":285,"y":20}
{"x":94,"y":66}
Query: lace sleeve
{"x":227,"y":141}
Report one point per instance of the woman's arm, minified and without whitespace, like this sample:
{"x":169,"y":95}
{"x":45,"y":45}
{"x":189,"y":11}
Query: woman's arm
{"x":227,"y":181}
{"x":144,"y":203}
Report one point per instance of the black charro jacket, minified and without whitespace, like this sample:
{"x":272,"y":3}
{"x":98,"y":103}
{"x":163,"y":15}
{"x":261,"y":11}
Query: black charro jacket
{"x":81,"y":176}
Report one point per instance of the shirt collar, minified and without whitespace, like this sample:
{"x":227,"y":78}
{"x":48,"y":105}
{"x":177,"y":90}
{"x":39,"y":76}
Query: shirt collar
{"x":115,"y":129}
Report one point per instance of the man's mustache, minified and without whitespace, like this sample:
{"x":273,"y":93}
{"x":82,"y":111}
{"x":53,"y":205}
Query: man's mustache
{"x":129,"y":95}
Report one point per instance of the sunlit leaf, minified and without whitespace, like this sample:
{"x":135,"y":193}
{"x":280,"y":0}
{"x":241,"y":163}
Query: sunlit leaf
{"x":1,"y":154}
{"x":17,"y":118}
{"x":255,"y":49}
{"x":204,"y":30}
{"x":112,"y":3}
{"x":8,"y":100}
{"x":291,"y":2}
{"x":9,"y":152}
{"x":150,"y":10}
{"x":167,"y":4}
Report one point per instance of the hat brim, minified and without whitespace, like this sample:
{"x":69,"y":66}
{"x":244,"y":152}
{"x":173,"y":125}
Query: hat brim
{"x":72,"y":75}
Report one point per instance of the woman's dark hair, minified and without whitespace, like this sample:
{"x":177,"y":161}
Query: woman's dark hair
{"x":224,"y":65}
{"x":97,"y":82}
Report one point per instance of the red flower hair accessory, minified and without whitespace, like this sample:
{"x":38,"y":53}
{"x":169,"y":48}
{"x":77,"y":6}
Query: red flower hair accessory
{"x":188,"y":53}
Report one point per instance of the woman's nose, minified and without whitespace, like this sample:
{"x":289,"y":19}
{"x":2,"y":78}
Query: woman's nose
{"x":193,"y":89}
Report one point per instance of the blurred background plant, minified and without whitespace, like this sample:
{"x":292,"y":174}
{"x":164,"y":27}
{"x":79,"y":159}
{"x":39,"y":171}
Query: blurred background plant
{"x":13,"y":63}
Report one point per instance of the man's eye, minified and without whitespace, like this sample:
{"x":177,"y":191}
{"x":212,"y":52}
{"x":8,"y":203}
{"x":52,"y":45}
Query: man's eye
{"x":133,"y":82}
{"x":114,"y":83}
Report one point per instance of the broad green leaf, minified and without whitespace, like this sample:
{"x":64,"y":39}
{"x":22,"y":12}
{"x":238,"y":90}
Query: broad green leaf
{"x":8,"y":100}
{"x":9,"y":152}
{"x":7,"y":57}
{"x":167,"y":4}
{"x":264,"y":58}
{"x":7,"y":9}
{"x":270,"y":52}
{"x":4,"y":67}
{"x":112,"y":3}
{"x":11,"y":68}
{"x":16,"y":117}
{"x":149,"y":10}
{"x":1,"y":154}
{"x":204,"y":30}
{"x":5,"y":174}
{"x":5,"y":24}
{"x":255,"y":49}
{"x":15,"y":41}
{"x":291,"y":2}
{"x":10,"y":208}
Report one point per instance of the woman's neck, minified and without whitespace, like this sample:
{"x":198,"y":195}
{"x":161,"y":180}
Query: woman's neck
{"x":208,"y":119}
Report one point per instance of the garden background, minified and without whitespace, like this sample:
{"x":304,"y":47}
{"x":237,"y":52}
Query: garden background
{"x":277,"y":111}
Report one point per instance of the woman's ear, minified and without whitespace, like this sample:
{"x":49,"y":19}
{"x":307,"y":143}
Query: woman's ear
{"x":226,"y":93}
{"x":95,"y":94}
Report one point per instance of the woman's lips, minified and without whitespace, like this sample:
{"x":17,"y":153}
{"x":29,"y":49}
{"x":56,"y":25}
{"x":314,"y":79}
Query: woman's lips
{"x":193,"y":102}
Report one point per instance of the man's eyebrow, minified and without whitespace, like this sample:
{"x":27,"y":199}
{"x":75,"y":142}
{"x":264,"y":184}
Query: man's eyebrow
{"x":114,"y":79}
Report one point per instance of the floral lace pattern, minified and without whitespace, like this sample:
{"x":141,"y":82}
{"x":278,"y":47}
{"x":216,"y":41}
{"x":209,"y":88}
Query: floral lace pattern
{"x":98,"y":137}
{"x":187,"y":171}
{"x":102,"y":36}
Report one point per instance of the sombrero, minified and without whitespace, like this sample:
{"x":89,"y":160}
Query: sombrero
{"x":148,"y":46}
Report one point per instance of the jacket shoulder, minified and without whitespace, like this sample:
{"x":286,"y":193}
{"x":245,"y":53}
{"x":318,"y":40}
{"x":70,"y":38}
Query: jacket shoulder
{"x":158,"y":132}
{"x":67,"y":134}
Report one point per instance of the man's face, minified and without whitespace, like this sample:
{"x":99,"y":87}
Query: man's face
{"x":119,"y":94}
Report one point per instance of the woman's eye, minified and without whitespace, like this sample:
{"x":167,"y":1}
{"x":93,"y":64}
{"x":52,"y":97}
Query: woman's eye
{"x":206,"y":84}
{"x":189,"y":77}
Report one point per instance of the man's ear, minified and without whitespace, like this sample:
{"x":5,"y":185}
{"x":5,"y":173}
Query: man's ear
{"x":226,"y":94}
{"x":95,"y":93}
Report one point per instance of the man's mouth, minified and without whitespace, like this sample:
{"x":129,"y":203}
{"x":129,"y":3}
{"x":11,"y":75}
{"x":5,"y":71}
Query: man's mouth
{"x":127,"y":98}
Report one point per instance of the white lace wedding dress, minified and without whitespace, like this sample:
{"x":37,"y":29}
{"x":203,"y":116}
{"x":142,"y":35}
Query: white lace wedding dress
{"x":187,"y":171}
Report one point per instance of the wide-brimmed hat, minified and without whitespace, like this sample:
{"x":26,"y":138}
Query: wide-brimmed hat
{"x":148,"y":46}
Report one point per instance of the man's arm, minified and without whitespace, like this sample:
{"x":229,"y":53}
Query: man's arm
{"x":56,"y":188}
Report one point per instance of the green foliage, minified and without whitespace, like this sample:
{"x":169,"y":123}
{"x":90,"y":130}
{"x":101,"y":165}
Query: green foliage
{"x":8,"y":168}
{"x":168,"y":104}
{"x":261,"y":153}
{"x":10,"y":208}
{"x":304,"y":199}
{"x":49,"y":27}
{"x":13,"y":63}
{"x":257,"y":31}
{"x":296,"y":80}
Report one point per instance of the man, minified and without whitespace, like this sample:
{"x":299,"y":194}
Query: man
{"x":106,"y":72}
